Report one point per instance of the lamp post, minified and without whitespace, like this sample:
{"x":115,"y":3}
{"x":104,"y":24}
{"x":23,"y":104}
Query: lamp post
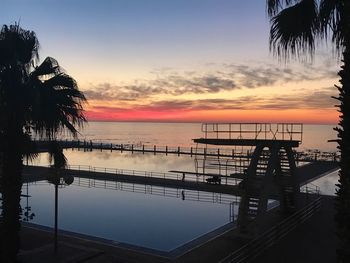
{"x":57,"y":179}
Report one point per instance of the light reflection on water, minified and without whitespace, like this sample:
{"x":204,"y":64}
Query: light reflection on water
{"x":158,"y":222}
{"x":126,"y":160}
{"x":327,"y":183}
{"x":171,"y":134}
{"x":181,"y":134}
{"x":161,"y":134}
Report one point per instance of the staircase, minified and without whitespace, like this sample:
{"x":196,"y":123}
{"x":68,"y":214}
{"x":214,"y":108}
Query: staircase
{"x":287,"y":191}
{"x":253,"y":202}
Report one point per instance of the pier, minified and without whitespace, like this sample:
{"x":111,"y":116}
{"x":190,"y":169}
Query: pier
{"x":313,"y":155}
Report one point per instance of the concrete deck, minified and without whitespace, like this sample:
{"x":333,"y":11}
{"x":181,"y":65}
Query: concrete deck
{"x":313,"y":241}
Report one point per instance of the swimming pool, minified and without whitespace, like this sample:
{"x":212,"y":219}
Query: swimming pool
{"x":327,"y":183}
{"x":153,"y":217}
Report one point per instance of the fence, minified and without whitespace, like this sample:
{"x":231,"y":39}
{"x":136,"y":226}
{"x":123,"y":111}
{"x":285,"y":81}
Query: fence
{"x":190,"y":195}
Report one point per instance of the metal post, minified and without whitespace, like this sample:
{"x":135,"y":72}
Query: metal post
{"x":56,"y":217}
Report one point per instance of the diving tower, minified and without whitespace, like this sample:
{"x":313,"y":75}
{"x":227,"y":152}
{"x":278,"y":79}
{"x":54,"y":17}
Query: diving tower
{"x":270,"y":168}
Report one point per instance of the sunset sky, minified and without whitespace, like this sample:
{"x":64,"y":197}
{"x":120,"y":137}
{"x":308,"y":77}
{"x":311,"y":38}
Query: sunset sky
{"x":183,"y":60}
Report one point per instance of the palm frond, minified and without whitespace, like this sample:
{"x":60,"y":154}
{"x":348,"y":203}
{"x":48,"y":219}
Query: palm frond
{"x":57,"y":159}
{"x":56,"y":109}
{"x":57,"y":104}
{"x":275,"y":6}
{"x":29,"y":148}
{"x":47,"y":67}
{"x":333,"y":18}
{"x":294,"y":29}
{"x":18,"y":46}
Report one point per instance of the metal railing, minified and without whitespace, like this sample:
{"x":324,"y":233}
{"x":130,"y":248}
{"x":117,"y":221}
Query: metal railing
{"x":310,"y":189}
{"x":255,"y":247}
{"x":263,"y":131}
{"x":188,"y":177}
{"x":189,"y":195}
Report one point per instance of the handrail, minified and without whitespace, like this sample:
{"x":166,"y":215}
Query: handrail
{"x":265,"y":131}
{"x":189,"y":195}
{"x":310,"y":188}
{"x":189,"y":177}
{"x":255,"y":247}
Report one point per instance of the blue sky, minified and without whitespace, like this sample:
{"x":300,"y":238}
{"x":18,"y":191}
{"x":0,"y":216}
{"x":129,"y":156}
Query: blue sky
{"x":146,"y":33}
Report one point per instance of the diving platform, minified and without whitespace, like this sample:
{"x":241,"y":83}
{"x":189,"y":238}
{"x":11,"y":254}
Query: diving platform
{"x":271,"y":168}
{"x":251,"y":134}
{"x":246,"y":142}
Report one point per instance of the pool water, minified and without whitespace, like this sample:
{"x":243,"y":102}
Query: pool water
{"x":141,"y":215}
{"x":327,"y":183}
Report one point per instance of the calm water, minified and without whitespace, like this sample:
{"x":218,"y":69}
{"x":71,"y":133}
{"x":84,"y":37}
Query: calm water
{"x":181,"y":134}
{"x":171,"y":134}
{"x":327,"y":183}
{"x":149,"y":216}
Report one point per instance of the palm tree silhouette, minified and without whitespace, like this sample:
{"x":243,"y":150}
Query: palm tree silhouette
{"x":296,"y":25}
{"x":36,"y":100}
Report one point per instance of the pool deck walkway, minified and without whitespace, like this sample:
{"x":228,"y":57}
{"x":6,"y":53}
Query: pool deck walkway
{"x":37,"y":242}
{"x":305,"y":174}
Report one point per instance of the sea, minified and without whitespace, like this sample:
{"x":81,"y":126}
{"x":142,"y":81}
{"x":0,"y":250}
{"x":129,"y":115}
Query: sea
{"x":182,"y":134}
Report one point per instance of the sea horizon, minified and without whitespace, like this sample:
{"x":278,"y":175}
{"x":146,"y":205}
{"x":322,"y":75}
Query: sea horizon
{"x":196,"y":122}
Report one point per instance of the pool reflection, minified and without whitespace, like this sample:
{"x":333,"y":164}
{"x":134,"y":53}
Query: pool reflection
{"x":125,"y":160}
{"x":150,"y":216}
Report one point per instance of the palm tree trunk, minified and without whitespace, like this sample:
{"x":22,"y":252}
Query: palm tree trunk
{"x":11,"y":183}
{"x":342,"y":216}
